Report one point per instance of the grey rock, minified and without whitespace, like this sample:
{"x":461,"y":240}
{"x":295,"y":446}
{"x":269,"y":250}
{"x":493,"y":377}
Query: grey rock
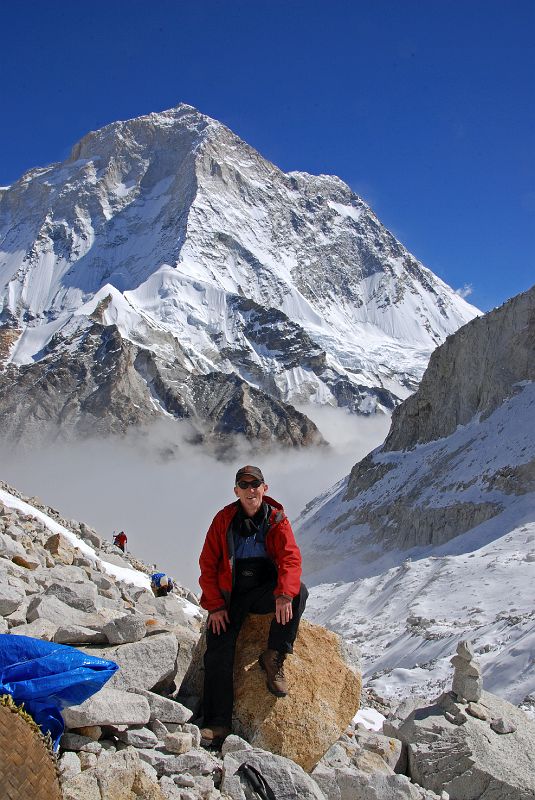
{"x":465,"y":650}
{"x":178,"y":742}
{"x":108,"y":707}
{"x":479,"y":375}
{"x":90,"y":536}
{"x":76,"y":742}
{"x":87,"y":760}
{"x":84,"y":785}
{"x":78,"y":634}
{"x":470,"y":761}
{"x":502,"y":726}
{"x":10,"y":547}
{"x":194,"y":731}
{"x":197,"y":762}
{"x":233,"y":743}
{"x":348,"y":783}
{"x":467,"y":682}
{"x":163,"y":709}
{"x":128,"y":628}
{"x":144,"y":664}
{"x":51,"y":608}
{"x":11,"y":598}
{"x":39,"y":629}
{"x":285,"y":777}
{"x":185,"y":780}
{"x":234,"y":787}
{"x":140,"y":737}
{"x":158,"y":728}
{"x":169,"y":789}
{"x":68,"y":766}
{"x":82,"y":596}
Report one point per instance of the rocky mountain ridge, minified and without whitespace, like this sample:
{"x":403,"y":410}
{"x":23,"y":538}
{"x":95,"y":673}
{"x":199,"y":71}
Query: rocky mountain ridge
{"x":434,"y":531}
{"x":231,"y":289}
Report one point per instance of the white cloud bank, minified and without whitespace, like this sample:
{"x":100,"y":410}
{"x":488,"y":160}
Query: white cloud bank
{"x":166,"y":505}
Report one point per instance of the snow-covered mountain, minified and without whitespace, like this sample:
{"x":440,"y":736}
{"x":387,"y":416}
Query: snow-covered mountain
{"x":431,"y":538}
{"x":166,"y":268}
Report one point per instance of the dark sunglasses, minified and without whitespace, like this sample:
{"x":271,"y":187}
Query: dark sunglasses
{"x":253,"y":484}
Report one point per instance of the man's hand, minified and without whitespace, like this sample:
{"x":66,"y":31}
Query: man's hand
{"x":218,"y":621}
{"x":283,"y":609}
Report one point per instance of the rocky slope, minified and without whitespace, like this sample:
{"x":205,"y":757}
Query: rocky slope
{"x":167,"y":269}
{"x":438,"y":538}
{"x":137,"y":738}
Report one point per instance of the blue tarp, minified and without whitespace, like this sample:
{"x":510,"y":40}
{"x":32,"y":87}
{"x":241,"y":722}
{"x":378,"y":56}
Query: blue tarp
{"x":47,"y":677}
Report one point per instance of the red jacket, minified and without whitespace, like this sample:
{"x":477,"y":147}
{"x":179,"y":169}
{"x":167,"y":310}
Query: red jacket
{"x":217,"y":557}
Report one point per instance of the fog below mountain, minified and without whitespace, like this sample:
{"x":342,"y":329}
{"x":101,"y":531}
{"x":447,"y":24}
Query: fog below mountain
{"x":165,"y":505}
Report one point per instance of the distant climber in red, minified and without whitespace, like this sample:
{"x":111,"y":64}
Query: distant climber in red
{"x":120,"y":540}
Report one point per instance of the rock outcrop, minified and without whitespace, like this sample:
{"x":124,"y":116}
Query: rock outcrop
{"x":469,"y":743}
{"x":473,"y":372}
{"x":437,"y":475}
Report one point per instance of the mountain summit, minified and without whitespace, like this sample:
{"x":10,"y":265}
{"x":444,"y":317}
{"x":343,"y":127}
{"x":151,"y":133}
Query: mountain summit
{"x":167,"y":269}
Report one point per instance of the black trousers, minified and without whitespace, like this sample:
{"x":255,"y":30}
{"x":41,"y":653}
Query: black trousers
{"x":219,"y":656}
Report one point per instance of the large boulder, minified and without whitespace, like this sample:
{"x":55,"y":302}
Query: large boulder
{"x":490,"y":756}
{"x":324,"y":692}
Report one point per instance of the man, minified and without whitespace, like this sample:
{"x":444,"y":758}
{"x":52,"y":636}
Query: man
{"x":120,"y":540}
{"x":250,"y":562}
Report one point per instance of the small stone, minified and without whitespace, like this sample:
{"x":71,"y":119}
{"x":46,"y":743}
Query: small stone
{"x":158,"y":728}
{"x":92,"y":731}
{"x":502,"y":726}
{"x":87,"y":760}
{"x":185,"y":779}
{"x":178,"y":742}
{"x":233,"y":743}
{"x":465,"y":650}
{"x":476,"y":710}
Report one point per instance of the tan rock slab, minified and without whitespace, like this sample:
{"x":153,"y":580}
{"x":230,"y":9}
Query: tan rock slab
{"x":324,"y":693}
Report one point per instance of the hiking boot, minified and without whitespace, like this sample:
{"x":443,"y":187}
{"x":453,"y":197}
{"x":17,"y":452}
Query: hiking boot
{"x":214,"y":735}
{"x":272,"y":662}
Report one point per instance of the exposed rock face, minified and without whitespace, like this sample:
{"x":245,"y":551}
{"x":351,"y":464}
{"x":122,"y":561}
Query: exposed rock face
{"x":165,"y":252}
{"x":473,"y":372}
{"x":95,"y":383}
{"x":324,"y":692}
{"x":472,"y":419}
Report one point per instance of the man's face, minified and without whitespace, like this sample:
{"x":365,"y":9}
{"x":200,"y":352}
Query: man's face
{"x":251,"y":497}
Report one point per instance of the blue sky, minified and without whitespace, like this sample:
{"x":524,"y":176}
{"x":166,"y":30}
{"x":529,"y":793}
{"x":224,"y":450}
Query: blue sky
{"x":426,"y":108}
